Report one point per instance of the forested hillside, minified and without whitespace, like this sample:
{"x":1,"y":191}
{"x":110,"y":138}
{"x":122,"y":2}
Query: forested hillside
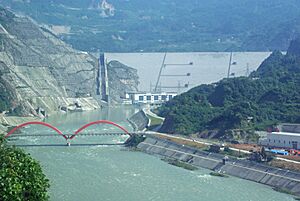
{"x":269,"y":96}
{"x":168,"y":25}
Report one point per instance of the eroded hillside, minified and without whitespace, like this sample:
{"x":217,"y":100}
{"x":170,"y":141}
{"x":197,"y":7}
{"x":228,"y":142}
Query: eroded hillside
{"x":40,"y":70}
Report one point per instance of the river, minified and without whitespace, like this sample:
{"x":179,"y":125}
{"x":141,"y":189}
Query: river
{"x":112,"y":173}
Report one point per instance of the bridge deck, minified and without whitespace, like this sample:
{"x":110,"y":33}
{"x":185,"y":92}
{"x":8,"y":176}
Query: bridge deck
{"x":73,"y":145}
{"x":67,"y":135}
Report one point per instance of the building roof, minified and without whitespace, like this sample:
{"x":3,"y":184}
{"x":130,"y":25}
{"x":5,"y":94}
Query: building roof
{"x":151,"y":93}
{"x":285,"y":133}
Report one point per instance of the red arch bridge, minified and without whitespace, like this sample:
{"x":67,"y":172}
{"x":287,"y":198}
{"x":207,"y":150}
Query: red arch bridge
{"x":70,"y":137}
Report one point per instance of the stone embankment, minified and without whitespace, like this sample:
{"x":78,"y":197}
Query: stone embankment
{"x":274,"y":177}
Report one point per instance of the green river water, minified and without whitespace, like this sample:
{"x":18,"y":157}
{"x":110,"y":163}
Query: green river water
{"x":112,"y":173}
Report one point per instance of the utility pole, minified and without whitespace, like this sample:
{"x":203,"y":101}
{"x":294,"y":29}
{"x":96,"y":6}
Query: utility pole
{"x":170,"y":75}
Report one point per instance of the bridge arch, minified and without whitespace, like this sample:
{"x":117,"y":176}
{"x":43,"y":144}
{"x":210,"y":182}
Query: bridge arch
{"x":35,"y":123}
{"x":100,"y":122}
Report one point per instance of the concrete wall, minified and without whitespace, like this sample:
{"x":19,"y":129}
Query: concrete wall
{"x":139,"y":121}
{"x":244,"y":169}
{"x":283,"y":140}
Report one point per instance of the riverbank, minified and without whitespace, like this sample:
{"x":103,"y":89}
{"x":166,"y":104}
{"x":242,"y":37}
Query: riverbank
{"x":6,"y":122}
{"x":260,"y":173}
{"x":51,"y":106}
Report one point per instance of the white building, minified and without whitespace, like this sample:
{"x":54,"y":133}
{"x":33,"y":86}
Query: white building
{"x":282,"y":140}
{"x":149,"y":98}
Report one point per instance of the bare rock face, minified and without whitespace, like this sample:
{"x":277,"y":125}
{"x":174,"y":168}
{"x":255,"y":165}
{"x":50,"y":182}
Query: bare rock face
{"x":122,"y":79}
{"x":37,"y":70}
{"x":108,"y":10}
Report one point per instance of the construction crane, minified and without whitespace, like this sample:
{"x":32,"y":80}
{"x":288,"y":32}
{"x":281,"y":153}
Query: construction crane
{"x":163,"y":65}
{"x":230,"y":64}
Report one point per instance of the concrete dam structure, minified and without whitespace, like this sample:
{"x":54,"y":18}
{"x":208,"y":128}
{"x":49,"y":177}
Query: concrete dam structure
{"x":139,"y":121}
{"x":260,"y":173}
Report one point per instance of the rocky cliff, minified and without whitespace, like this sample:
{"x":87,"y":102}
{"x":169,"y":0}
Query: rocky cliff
{"x":37,"y":70}
{"x":122,"y":79}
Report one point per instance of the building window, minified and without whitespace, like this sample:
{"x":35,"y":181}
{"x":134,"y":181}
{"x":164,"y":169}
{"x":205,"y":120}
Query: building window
{"x":284,"y":142}
{"x":148,"y":98}
{"x":156,"y":98}
{"x":170,"y":97}
{"x":163,"y":97}
{"x":274,"y":141}
{"x":141,"y":98}
{"x":289,"y":142}
{"x":269,"y":140}
{"x":279,"y":141}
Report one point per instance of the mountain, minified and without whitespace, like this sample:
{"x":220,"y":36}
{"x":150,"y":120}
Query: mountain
{"x":38,"y":71}
{"x":168,"y":25}
{"x":235,"y":107}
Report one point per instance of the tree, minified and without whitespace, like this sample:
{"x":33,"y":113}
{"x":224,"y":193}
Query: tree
{"x":21,"y":176}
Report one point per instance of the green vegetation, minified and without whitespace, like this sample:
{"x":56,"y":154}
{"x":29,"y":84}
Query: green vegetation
{"x":154,"y":120}
{"x":21,"y":176}
{"x":217,"y":174}
{"x":233,"y":108}
{"x":5,"y":96}
{"x":180,"y":164}
{"x":170,"y":25}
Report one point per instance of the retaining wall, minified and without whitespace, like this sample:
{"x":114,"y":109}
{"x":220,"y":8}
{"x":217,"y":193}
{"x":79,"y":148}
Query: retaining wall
{"x":139,"y":121}
{"x":264,"y":174}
